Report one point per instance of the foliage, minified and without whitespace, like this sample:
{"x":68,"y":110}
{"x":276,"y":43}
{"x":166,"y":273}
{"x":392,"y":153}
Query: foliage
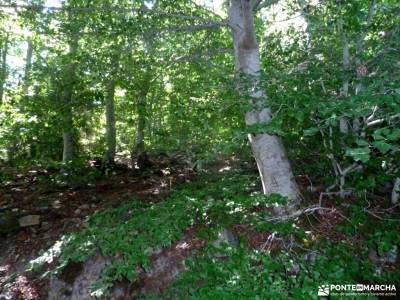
{"x":306,"y":80}
{"x":333,"y":87}
{"x":130,"y":233}
{"x":296,"y":273}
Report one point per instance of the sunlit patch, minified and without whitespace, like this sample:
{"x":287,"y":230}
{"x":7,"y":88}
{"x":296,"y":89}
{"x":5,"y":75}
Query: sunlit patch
{"x":183,"y":245}
{"x":234,"y":279}
{"x":163,"y":184}
{"x":24,"y":289}
{"x":49,"y":256}
{"x":227,"y":168}
{"x":166,"y":171}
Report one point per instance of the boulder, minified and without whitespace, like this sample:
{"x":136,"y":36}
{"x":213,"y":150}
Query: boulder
{"x":76,"y":283}
{"x":226,"y":236}
{"x":30,"y":220}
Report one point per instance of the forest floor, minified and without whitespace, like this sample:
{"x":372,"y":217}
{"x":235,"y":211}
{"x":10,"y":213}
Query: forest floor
{"x":66,"y":208}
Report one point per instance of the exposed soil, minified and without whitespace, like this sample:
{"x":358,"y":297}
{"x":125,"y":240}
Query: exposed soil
{"x":66,"y":209}
{"x":166,"y":265}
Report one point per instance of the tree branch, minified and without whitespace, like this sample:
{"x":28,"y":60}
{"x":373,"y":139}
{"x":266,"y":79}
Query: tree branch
{"x":259,"y":4}
{"x":117,"y":9}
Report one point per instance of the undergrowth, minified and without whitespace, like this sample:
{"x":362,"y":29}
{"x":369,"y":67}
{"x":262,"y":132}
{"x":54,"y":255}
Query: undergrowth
{"x":129,"y":234}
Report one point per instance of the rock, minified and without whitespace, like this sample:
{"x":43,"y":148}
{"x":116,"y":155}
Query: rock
{"x":5,"y":208}
{"x":378,"y":271}
{"x":57,"y":204}
{"x":8,"y":223}
{"x":46,"y":226}
{"x":7,"y":296}
{"x":84,"y":206}
{"x":391,"y":256}
{"x":310,"y":257}
{"x":77,"y":211}
{"x":80,"y":287}
{"x":294,"y":270}
{"x":226,"y":236}
{"x":30,"y":220}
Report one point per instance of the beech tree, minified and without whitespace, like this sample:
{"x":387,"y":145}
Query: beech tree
{"x":3,"y":71}
{"x":273,"y":164}
{"x":112,"y":91}
{"x":259,"y":139}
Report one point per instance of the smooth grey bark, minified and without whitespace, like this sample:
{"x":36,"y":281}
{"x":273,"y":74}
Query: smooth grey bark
{"x":361,"y":69}
{"x":28,"y":67}
{"x":141,"y":123}
{"x":273,"y":164}
{"x":396,"y":191}
{"x":3,"y":71}
{"x":139,"y":148}
{"x":68,"y":135}
{"x":344,"y":122}
{"x":109,"y":156}
{"x":139,"y":154}
{"x":26,"y":83}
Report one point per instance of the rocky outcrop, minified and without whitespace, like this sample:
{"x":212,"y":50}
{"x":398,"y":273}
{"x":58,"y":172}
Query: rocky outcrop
{"x":77,"y":280}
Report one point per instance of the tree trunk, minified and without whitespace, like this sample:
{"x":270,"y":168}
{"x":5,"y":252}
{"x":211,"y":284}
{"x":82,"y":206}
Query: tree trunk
{"x":344,"y":122}
{"x":139,"y":151}
{"x":273,"y":164}
{"x":25,"y":88}
{"x":68,"y":135}
{"x":28,"y":66}
{"x":361,"y":68}
{"x":3,"y":71}
{"x":141,"y":108}
{"x":396,"y":191}
{"x":110,"y":123}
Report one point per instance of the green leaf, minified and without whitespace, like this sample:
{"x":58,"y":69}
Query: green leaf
{"x":394,"y":135}
{"x":382,"y":146}
{"x":359,"y":154}
{"x":310,"y":131}
{"x":299,"y":116}
{"x":377,"y":136}
{"x":362,"y":143}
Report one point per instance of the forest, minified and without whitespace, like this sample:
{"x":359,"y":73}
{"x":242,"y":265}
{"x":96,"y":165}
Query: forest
{"x":199,"y":149}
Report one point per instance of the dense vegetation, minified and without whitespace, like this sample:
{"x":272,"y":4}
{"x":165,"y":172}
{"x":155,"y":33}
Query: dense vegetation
{"x":270,"y":131}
